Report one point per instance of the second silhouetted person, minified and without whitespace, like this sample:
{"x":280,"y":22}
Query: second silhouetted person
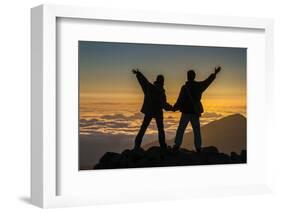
{"x":189,"y":103}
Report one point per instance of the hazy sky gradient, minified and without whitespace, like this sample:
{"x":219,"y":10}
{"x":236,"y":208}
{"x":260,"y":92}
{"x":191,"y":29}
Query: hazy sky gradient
{"x":105,"y":68}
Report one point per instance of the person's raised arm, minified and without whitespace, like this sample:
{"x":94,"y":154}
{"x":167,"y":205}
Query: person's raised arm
{"x":205,"y":84}
{"x":142,"y":79}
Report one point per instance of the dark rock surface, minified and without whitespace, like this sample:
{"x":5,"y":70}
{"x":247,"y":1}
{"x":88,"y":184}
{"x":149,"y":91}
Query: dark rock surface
{"x":155,"y":157}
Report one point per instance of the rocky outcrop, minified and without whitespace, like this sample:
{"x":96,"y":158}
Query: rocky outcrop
{"x":156,"y":157}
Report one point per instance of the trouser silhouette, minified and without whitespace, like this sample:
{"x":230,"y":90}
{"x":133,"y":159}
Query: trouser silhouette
{"x":160,"y":125}
{"x":195,"y":123}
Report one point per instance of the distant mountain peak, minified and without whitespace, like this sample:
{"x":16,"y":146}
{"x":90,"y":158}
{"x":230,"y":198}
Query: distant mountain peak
{"x":235,"y":116}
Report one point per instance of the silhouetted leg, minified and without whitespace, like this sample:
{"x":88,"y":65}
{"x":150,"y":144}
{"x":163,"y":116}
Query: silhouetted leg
{"x":181,"y":128}
{"x":145,"y":123}
{"x":195,"y":123}
{"x":161,"y":131}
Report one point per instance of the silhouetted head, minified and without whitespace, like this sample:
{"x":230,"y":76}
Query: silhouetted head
{"x":159,"y":80}
{"x":191,"y":75}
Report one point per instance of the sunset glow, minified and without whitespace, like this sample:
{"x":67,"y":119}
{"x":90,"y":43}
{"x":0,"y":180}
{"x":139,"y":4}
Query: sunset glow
{"x":111,"y":98}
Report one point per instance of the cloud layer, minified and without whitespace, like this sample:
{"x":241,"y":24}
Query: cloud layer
{"x":129,"y":124}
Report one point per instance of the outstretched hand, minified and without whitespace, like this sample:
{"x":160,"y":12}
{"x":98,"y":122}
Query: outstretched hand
{"x":135,"y":71}
{"x":217,"y":69}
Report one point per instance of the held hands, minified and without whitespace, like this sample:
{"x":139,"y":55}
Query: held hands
{"x":169,"y":107}
{"x":217,"y":69}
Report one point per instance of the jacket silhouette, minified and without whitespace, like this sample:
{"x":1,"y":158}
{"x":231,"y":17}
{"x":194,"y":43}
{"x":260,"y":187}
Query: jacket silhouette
{"x":153,"y":104}
{"x":154,"y":96}
{"x":189,"y":100}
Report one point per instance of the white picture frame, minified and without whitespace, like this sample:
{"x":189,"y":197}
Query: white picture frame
{"x":44,"y":153}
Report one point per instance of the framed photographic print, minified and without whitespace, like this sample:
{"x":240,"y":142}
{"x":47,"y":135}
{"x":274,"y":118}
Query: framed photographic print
{"x":130,"y":102}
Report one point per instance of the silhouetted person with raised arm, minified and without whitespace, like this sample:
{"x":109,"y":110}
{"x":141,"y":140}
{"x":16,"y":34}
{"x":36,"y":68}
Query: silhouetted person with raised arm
{"x":153,"y":105}
{"x":189,"y":103}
